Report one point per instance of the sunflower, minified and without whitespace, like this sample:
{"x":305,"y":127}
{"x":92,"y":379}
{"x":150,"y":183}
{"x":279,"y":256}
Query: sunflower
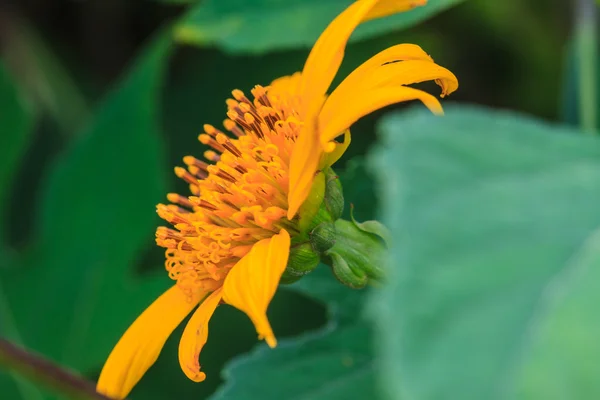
{"x":229,"y":241}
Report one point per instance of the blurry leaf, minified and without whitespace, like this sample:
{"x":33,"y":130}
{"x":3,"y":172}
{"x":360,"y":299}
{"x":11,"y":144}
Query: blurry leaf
{"x":76,"y":294}
{"x":358,"y":190}
{"x":257,"y":26}
{"x":16,"y":123}
{"x":570,"y":112}
{"x":334,"y":363}
{"x":497,"y":259}
{"x":44,"y":77}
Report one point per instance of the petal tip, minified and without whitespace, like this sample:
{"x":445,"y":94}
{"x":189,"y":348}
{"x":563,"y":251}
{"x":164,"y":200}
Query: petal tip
{"x":271,"y":341}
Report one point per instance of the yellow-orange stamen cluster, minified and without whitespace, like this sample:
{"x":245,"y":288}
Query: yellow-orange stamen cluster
{"x":237,"y":199}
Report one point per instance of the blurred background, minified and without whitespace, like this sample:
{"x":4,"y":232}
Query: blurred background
{"x":73,"y":195}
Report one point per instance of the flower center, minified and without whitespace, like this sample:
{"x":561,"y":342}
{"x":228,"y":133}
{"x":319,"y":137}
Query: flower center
{"x":237,"y":199}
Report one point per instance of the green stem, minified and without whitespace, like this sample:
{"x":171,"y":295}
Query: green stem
{"x":586,"y":32}
{"x":41,"y":370}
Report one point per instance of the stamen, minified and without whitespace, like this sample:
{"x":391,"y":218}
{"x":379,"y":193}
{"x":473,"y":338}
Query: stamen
{"x":233,"y":128}
{"x":239,"y":194}
{"x":186,"y":176}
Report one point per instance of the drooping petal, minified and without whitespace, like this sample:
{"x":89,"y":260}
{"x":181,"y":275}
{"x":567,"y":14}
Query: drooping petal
{"x":387,"y":75}
{"x":252,"y":282}
{"x":401,"y":52}
{"x":360,"y":104}
{"x":326,"y":55}
{"x":384,"y":8}
{"x":141,"y":344}
{"x":195,"y":335}
{"x":304,"y":162}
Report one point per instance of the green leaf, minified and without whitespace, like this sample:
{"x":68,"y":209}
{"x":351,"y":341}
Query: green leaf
{"x":76,"y":292}
{"x":333,"y":363}
{"x":257,"y":26}
{"x":496,"y":276}
{"x":16,"y":120}
{"x":45,"y":79}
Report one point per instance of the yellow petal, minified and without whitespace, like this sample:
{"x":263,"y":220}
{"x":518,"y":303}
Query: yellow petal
{"x":252,"y":282}
{"x":388,"y":75}
{"x":290,"y":84}
{"x":401,"y":52}
{"x":360,"y":104}
{"x":384,"y":8}
{"x":304,"y":162}
{"x":409,"y":72}
{"x":195,"y":335}
{"x":139,"y":347}
{"x":340,"y":148}
{"x":326,"y":55}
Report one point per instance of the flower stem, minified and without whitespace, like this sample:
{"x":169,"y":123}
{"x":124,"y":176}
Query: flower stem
{"x":40,"y":370}
{"x":586,"y":32}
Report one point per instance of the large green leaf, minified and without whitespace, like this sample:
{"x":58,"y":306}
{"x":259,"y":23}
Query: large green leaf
{"x":16,"y":121}
{"x":496,"y":276}
{"x":258,"y":26}
{"x":46,"y":80}
{"x":333,"y":363}
{"x":76,"y":292}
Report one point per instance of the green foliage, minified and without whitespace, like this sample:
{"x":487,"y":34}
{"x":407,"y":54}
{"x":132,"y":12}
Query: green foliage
{"x":495,"y":276}
{"x":97,"y":213}
{"x":16,"y":122}
{"x":256,"y":26}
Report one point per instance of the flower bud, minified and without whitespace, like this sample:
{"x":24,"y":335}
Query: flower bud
{"x":359,"y":253}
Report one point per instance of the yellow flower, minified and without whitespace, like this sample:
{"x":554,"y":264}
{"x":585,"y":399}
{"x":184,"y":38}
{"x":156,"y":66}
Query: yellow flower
{"x":230,"y":240}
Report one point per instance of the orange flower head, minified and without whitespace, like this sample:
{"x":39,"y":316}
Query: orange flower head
{"x":239,"y":197}
{"x":229,"y":241}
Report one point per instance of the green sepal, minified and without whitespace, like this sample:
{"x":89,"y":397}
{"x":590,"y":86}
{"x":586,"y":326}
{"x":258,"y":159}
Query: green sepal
{"x":345,"y":273}
{"x":374,"y":227}
{"x":363,"y":252}
{"x":302,"y":260}
{"x":323,"y":237}
{"x":334,"y":194}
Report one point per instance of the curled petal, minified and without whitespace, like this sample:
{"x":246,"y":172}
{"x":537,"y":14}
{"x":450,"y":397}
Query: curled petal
{"x":360,"y":104}
{"x":394,"y":54}
{"x":331,"y":158}
{"x":385,"y":76}
{"x":195,"y":335}
{"x":252,"y":282}
{"x":141,"y":344}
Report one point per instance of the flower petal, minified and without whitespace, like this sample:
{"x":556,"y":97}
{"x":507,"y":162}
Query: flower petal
{"x":304,"y":162}
{"x":350,"y":109}
{"x":139,"y":347}
{"x":326,"y":55}
{"x":340,"y":148}
{"x":384,"y":8}
{"x":401,"y":52}
{"x":195,"y":335}
{"x":252,"y":282}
